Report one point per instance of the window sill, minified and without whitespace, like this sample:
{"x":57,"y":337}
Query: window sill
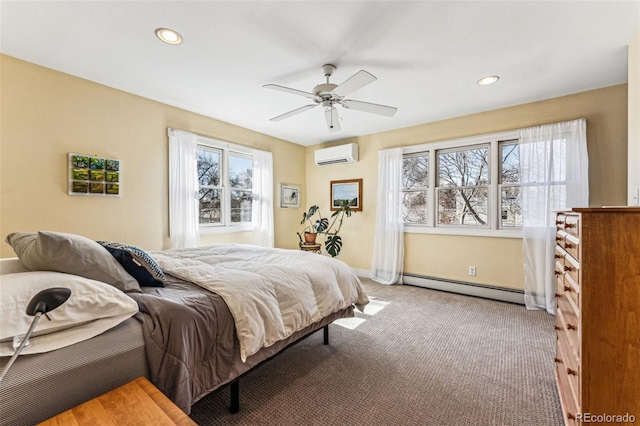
{"x":205,"y":230}
{"x":497,"y":233}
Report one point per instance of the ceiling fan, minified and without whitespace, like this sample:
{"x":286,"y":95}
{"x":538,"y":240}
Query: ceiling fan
{"x":328,"y":95}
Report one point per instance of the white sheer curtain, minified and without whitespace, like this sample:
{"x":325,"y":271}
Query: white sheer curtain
{"x":183,"y":189}
{"x":554,"y":172}
{"x":262,"y":207}
{"x":388,"y":247}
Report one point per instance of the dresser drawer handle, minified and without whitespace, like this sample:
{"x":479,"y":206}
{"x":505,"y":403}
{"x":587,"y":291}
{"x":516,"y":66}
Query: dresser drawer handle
{"x":568,"y":268}
{"x":557,"y":327}
{"x":557,"y":272}
{"x":569,"y":245}
{"x":570,"y":416}
{"x":571,"y":327}
{"x":572,"y":372}
{"x":558,"y":256}
{"x":558,"y":295}
{"x":567,"y":288}
{"x":558,"y":360}
{"x":569,"y":225}
{"x":558,"y":239}
{"x":559,"y":222}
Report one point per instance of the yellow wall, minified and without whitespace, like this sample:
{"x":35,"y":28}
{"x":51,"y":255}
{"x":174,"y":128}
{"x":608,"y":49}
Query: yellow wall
{"x":498,"y":260}
{"x":46,"y":114}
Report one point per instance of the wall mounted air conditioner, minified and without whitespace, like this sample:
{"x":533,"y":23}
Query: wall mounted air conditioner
{"x":337,"y":154}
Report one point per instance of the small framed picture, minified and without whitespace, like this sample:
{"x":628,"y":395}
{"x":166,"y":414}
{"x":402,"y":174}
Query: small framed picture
{"x":347,"y":192}
{"x":95,"y":176}
{"x":289,"y":196}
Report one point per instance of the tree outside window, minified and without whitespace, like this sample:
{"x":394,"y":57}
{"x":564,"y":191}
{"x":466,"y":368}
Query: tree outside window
{"x":462,"y":193}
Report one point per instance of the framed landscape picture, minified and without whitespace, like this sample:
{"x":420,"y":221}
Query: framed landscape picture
{"x":289,"y":196}
{"x":346,"y":191}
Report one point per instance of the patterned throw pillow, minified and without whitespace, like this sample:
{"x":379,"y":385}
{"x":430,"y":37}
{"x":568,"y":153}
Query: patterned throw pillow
{"x":137,"y":263}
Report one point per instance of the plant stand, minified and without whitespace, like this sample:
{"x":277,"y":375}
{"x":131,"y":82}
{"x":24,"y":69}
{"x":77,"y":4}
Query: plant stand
{"x":315,"y":248}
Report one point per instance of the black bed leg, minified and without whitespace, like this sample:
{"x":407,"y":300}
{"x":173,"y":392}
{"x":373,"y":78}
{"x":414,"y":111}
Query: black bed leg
{"x":326,"y":334}
{"x":235,"y":397}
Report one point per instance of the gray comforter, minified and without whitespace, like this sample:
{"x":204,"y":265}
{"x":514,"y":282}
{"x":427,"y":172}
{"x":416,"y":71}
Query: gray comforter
{"x":191,"y":343}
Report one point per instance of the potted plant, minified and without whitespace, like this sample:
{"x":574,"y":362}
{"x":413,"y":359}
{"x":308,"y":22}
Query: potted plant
{"x":321,"y":225}
{"x":312,"y":229}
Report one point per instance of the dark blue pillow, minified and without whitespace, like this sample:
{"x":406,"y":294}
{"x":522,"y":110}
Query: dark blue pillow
{"x":137,"y":263}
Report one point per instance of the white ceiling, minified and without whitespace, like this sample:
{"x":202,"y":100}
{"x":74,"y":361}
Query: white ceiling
{"x":427,"y":55}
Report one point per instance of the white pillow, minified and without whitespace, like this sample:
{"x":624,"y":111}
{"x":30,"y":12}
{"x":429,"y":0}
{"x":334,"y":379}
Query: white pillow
{"x":93,"y":308}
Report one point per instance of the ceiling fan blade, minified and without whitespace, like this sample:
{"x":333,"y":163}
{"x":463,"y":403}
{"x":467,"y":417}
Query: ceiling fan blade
{"x":369,"y":107}
{"x":353,"y":83}
{"x":333,"y":121}
{"x":292,"y":113}
{"x":290,"y":90}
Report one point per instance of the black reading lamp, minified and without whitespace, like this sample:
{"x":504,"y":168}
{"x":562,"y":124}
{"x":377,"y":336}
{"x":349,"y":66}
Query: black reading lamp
{"x":44,"y":301}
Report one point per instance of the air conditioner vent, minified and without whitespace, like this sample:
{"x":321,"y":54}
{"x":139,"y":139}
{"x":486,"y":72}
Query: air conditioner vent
{"x":337,"y":155}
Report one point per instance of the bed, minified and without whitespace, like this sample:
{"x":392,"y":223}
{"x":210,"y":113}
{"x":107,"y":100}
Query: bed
{"x":187,"y":336}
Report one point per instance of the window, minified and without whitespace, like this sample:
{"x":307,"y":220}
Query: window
{"x":210,"y":185}
{"x":225,"y":184}
{"x":510,"y":198}
{"x":468,"y":186}
{"x":415,"y":181}
{"x":463,"y":186}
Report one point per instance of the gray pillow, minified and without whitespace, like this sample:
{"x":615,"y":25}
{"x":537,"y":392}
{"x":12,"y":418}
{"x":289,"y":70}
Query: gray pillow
{"x":72,"y":254}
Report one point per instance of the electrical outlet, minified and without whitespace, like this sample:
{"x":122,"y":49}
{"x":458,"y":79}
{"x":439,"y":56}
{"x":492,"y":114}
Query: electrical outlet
{"x":472,"y":271}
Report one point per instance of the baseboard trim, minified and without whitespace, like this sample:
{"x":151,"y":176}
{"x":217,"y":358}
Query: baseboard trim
{"x":362,"y":273}
{"x":503,"y":294}
{"x":486,"y":291}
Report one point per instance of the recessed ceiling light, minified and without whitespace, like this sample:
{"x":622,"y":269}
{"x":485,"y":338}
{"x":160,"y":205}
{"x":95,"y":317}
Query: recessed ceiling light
{"x":490,"y":79}
{"x":168,"y":36}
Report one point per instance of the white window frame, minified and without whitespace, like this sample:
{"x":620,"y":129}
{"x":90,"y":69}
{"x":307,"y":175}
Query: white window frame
{"x":226,"y":226}
{"x":492,"y":229}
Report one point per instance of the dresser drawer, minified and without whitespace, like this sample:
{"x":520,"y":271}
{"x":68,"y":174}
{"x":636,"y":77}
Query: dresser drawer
{"x":559,"y":274}
{"x":572,"y":267}
{"x":569,"y":364}
{"x":570,"y":407}
{"x":569,"y":243}
{"x":571,"y":288}
{"x":572,"y":246}
{"x":559,"y":255}
{"x":569,"y":223}
{"x":567,"y":321}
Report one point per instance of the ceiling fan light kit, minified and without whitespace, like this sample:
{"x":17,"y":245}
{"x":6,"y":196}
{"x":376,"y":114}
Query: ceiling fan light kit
{"x":329,"y":94}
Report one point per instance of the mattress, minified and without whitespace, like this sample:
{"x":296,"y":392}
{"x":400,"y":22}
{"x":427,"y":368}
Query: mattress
{"x":40,"y":386}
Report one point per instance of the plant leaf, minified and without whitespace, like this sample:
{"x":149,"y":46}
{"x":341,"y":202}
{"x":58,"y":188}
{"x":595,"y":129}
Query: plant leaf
{"x":321,"y":224}
{"x":333,"y":244}
{"x":312,"y":210}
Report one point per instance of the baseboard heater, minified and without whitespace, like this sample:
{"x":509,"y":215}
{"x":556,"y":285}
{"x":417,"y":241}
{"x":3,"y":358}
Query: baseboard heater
{"x":511,"y":295}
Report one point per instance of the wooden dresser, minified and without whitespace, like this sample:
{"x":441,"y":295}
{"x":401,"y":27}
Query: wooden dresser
{"x":597,"y":269}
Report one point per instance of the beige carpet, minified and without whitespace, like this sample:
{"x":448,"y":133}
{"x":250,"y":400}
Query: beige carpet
{"x":415,"y":357}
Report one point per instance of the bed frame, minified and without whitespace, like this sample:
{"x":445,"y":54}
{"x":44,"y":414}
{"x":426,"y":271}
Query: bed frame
{"x":234,"y":386}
